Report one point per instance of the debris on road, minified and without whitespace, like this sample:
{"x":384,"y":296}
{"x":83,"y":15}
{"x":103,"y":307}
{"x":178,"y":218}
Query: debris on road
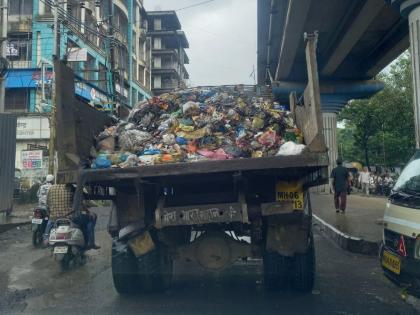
{"x":217,"y":123}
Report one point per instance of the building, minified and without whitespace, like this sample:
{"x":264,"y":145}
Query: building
{"x":168,"y":52}
{"x":84,"y":43}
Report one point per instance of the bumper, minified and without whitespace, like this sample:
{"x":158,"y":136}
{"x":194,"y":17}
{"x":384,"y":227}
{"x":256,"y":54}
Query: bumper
{"x":409,"y":266}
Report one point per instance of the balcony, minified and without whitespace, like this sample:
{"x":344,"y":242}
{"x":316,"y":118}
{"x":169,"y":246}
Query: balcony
{"x":20,"y":64}
{"x":22,"y":25}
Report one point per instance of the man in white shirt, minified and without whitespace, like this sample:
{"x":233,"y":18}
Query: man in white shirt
{"x":365,"y":180}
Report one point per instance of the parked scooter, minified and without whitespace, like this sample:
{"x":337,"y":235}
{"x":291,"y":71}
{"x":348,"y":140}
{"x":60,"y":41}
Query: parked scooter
{"x":68,"y":243}
{"x":39,"y":223}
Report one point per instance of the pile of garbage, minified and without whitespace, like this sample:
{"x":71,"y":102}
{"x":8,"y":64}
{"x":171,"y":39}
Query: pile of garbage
{"x":197,"y":124}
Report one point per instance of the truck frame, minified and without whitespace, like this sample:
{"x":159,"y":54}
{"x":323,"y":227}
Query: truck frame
{"x":210,"y":212}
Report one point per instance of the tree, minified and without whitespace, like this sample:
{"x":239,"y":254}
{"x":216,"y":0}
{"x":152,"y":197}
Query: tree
{"x":382,"y":127}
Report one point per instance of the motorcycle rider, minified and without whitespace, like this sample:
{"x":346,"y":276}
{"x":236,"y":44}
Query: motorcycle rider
{"x":60,"y":202}
{"x":43,"y":191}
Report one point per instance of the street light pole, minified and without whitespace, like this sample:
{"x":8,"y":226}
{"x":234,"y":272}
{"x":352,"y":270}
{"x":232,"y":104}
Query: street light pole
{"x":3,"y":52}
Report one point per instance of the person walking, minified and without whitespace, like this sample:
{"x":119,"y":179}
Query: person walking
{"x":365,"y":180}
{"x":340,"y":182}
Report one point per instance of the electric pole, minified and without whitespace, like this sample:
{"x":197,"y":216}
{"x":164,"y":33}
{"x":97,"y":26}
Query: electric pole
{"x":111,"y":41}
{"x":3,"y":53}
{"x":53,"y":122}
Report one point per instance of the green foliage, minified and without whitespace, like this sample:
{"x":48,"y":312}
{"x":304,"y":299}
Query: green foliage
{"x":380,"y":130}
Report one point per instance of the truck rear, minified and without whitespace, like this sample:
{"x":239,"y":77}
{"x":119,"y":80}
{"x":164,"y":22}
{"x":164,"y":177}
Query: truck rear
{"x":211,"y":213}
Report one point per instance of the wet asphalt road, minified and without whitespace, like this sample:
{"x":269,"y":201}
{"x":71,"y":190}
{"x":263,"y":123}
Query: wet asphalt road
{"x":31,"y":283}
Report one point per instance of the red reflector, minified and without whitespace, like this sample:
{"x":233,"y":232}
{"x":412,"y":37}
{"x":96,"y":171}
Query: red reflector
{"x":62,"y":236}
{"x":38,"y":215}
{"x":401,"y":247}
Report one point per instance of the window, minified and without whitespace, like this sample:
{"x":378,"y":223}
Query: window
{"x":157,"y":62}
{"x":409,"y":180}
{"x":157,"y":25}
{"x":16,"y":100}
{"x":157,"y":43}
{"x":19,"y":49}
{"x":20,"y":7}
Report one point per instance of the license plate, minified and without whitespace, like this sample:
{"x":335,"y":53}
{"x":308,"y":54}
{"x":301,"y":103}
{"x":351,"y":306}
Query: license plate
{"x":290,"y":192}
{"x":60,"y":249}
{"x":37,"y":221}
{"x":391,"y":262}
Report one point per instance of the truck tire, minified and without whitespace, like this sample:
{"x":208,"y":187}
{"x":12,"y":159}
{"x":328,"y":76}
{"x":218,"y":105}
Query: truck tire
{"x":304,"y":269}
{"x":155,"y":270}
{"x":124,"y":269}
{"x":276,"y":270}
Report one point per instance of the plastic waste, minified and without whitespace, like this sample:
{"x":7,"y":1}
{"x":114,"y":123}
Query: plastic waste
{"x":291,"y":148}
{"x":198,"y":124}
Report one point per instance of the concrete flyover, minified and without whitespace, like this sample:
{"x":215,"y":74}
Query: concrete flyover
{"x":357,"y":39}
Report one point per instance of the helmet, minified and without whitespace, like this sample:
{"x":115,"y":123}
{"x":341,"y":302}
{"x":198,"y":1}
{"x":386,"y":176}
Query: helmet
{"x":50,"y":178}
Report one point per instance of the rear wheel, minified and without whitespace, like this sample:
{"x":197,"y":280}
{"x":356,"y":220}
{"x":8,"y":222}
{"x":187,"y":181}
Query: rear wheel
{"x":276,"y":270}
{"x":149,"y":272}
{"x":124,"y":268}
{"x":304,"y":268}
{"x":37,"y":237}
{"x":65,"y":262}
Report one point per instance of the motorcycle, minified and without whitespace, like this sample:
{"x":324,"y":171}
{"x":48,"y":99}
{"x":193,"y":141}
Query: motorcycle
{"x":39,"y":224}
{"x":68,"y":243}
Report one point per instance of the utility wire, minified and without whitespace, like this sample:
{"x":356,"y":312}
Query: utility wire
{"x":194,"y":5}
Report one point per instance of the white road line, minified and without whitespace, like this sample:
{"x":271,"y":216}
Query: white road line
{"x":335,"y":229}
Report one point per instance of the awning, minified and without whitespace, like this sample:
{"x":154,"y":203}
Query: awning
{"x":26,"y":78}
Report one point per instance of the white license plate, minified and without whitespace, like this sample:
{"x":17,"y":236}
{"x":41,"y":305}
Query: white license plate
{"x":37,"y":221}
{"x":60,"y":249}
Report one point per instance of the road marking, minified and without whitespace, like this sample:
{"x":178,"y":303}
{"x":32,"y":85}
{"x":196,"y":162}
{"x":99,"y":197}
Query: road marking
{"x":335,"y":229}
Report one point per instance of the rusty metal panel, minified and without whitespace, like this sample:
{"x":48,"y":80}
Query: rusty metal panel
{"x":77,"y":123}
{"x":7,"y":160}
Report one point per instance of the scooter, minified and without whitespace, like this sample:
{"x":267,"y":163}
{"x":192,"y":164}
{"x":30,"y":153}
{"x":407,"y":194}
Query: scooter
{"x":68,"y":243}
{"x":39,"y":223}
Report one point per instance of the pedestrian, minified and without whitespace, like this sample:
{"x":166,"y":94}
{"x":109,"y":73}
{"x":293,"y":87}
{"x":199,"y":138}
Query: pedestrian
{"x":43,"y":191}
{"x":340,"y":178}
{"x":365,"y":179}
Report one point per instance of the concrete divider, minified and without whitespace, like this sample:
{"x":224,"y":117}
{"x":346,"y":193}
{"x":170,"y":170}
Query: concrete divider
{"x":347,"y":242}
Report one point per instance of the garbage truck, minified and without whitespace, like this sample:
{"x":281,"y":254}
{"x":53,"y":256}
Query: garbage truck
{"x":211,"y":213}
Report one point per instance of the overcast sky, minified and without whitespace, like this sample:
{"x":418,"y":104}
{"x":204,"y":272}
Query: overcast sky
{"x":222,"y":36}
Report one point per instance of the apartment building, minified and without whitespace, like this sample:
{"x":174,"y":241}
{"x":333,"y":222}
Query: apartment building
{"x":84,"y":44}
{"x":168,"y":52}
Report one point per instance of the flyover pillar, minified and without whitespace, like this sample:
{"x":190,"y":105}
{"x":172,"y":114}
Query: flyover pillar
{"x":329,"y":120}
{"x":414,"y":23}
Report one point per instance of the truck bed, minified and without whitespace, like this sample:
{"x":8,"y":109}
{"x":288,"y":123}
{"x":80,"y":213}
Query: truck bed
{"x":297,"y":165}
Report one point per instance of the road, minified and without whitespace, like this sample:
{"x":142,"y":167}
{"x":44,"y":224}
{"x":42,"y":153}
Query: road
{"x":31,"y":283}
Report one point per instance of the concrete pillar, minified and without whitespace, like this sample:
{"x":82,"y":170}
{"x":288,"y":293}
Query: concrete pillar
{"x":329,"y":120}
{"x":414,"y":23}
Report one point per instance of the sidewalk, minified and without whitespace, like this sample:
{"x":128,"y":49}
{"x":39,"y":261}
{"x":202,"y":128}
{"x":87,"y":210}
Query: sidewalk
{"x":360,"y":227}
{"x":21,"y":214}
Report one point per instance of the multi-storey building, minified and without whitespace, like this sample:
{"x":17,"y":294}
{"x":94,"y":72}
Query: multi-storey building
{"x":168,"y":52}
{"x":84,"y":43}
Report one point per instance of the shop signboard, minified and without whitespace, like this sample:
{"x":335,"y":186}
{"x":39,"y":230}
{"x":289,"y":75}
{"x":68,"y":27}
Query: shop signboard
{"x":32,"y":159}
{"x":32,"y":127}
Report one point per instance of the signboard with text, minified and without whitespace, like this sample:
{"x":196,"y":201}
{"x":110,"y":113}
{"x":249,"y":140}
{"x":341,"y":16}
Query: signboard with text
{"x":32,"y":159}
{"x":33,"y":127}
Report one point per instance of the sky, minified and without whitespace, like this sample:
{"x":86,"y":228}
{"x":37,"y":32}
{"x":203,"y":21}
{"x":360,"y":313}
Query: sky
{"x":223,"y":39}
